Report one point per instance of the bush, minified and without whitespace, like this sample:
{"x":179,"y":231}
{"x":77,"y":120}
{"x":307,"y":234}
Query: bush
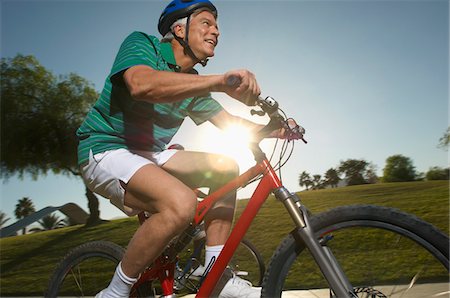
{"x":437,"y":173}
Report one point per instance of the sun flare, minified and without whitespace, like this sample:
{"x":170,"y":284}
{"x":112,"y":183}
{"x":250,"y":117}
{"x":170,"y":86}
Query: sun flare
{"x":232,"y":141}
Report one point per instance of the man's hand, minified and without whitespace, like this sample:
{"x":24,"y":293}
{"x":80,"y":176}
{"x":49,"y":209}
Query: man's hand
{"x":242,"y":85}
{"x":291,"y":131}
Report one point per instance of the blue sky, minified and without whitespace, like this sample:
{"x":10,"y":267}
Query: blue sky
{"x":367,"y":79}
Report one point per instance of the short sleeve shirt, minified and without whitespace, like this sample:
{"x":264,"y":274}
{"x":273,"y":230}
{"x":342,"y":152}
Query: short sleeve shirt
{"x":118,"y":121}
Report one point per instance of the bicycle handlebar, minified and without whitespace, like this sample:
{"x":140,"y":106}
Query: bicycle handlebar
{"x":270,"y":107}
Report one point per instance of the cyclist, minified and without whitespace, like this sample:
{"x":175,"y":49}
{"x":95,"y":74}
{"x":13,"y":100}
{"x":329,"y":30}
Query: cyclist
{"x":122,"y":151}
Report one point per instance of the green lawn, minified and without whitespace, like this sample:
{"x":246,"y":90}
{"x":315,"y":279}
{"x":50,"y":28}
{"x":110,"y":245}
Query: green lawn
{"x":27,"y":261}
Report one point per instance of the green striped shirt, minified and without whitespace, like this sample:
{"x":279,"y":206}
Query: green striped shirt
{"x":118,"y":121}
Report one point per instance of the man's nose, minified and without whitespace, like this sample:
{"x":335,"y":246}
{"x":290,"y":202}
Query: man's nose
{"x":215,"y":31}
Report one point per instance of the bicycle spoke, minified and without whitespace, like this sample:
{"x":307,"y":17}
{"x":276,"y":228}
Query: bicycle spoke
{"x":79,"y":283}
{"x":86,"y":270}
{"x":383,"y":252}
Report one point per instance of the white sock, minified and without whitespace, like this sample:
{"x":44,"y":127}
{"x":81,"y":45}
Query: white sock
{"x":212,"y":253}
{"x":120,"y":285}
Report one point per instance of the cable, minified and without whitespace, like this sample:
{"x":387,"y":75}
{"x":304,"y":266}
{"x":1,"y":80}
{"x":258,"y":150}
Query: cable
{"x":284,"y":149}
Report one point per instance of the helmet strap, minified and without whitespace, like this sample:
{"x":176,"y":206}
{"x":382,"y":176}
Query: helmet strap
{"x":185,"y":44}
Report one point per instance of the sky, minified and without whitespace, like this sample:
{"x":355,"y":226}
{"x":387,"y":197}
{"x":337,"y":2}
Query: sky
{"x":367,"y":79}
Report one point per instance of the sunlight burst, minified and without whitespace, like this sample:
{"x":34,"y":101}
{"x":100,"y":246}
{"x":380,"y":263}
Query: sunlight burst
{"x":232,"y":141}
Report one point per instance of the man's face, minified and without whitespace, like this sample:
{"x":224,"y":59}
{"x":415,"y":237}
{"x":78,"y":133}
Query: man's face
{"x":203,"y":34}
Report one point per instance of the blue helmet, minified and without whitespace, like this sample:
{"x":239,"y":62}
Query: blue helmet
{"x":178,"y":9}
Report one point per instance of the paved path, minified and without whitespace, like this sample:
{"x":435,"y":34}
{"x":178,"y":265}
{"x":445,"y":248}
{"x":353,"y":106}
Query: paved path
{"x":442,"y":290}
{"x":420,"y":291}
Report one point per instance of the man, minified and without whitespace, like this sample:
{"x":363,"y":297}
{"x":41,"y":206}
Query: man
{"x":152,"y":87}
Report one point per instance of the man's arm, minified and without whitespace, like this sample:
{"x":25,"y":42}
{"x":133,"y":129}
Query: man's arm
{"x":148,"y":84}
{"x":223,"y":119}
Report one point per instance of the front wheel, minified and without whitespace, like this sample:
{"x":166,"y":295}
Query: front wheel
{"x":384,"y":253}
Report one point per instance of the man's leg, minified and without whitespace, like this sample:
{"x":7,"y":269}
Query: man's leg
{"x":132,"y":180}
{"x":172,"y":205}
{"x":212,"y":170}
{"x":198,"y":169}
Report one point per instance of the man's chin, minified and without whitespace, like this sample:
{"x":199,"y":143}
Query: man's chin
{"x":209,"y":55}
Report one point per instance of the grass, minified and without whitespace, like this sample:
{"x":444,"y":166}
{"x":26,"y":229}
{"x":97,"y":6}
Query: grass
{"x":27,"y":261}
{"x":427,"y":200}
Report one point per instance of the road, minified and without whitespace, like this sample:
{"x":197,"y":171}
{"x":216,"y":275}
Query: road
{"x":442,"y":290}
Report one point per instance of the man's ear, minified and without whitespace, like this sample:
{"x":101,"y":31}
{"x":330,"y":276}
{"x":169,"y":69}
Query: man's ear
{"x":179,"y":31}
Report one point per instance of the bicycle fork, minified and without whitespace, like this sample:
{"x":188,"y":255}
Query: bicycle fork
{"x":304,"y":235}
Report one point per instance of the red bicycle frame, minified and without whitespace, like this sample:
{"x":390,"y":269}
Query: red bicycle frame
{"x":163,"y":269}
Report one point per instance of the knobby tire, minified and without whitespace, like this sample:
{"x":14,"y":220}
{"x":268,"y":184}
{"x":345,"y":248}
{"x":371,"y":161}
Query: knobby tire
{"x":384,"y":253}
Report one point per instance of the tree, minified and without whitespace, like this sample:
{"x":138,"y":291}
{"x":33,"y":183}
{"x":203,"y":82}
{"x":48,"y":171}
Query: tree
{"x":371,"y":174}
{"x":3,"y":219}
{"x":24,"y":208}
{"x":305,"y":180}
{"x":444,"y":141}
{"x":39,"y":116}
{"x":332,"y":177}
{"x":355,"y":171}
{"x":399,"y":168}
{"x":317,"y":182}
{"x":49,"y":222}
{"x":437,"y":173}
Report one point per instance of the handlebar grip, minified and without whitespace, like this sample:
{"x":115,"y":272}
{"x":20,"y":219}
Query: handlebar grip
{"x":233,"y":81}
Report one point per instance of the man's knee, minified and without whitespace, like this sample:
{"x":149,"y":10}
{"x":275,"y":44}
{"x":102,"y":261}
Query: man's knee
{"x":180,"y":210}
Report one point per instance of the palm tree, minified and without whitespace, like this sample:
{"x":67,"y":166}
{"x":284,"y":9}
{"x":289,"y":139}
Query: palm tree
{"x":49,"y":222}
{"x":305,"y":180}
{"x":332,"y":177}
{"x":24,"y":208}
{"x":3,"y":219}
{"x":444,"y":141}
{"x":317,"y":182}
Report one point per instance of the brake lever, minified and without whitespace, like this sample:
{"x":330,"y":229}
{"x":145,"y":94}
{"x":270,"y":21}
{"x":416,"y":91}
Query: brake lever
{"x":300,"y":131}
{"x":256,"y":112}
{"x":269,"y":106}
{"x":295,"y":133}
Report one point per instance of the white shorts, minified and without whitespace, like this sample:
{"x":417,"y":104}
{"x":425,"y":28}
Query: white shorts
{"x":105,"y":171}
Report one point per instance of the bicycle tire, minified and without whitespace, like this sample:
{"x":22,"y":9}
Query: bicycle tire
{"x":404,"y":245}
{"x":86,"y":265}
{"x":259,"y":260}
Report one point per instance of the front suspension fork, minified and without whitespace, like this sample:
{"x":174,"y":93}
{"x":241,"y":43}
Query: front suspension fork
{"x":304,"y":235}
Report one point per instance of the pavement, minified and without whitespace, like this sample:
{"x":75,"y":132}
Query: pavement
{"x":442,"y":290}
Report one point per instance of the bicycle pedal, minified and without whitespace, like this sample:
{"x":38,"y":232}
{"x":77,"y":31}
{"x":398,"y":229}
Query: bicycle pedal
{"x":195,"y":277}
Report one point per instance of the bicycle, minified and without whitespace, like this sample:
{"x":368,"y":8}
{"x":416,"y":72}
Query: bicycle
{"x":96,"y":259}
{"x":414,"y":254}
